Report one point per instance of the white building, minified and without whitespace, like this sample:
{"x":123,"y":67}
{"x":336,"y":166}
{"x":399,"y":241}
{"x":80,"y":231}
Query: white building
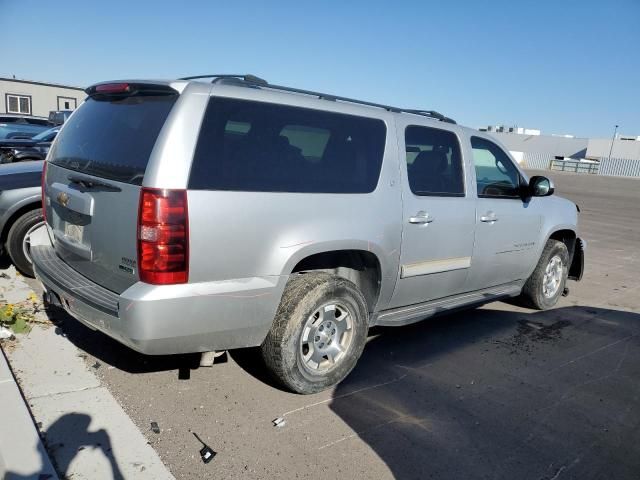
{"x":26,"y":97}
{"x":514,"y":129}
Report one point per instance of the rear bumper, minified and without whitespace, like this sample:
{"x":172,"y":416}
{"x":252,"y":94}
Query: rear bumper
{"x":167,"y":319}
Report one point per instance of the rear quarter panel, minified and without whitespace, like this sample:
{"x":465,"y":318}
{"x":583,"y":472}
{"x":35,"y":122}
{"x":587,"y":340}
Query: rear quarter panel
{"x":236,"y":235}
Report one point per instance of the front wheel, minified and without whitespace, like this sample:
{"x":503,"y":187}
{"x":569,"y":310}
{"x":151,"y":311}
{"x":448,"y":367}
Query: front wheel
{"x":546,"y":284}
{"x":318,"y":333}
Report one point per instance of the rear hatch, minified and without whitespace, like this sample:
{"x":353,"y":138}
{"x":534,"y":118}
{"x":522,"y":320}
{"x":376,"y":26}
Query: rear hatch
{"x":94,"y":177}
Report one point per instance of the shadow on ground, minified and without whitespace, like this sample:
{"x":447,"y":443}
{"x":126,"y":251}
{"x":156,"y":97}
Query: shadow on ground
{"x":485,"y":393}
{"x":109,"y":351}
{"x":497,"y":394}
{"x":65,"y":439}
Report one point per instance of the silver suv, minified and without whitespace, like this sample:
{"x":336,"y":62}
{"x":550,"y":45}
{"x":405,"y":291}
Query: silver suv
{"x":195,"y":216}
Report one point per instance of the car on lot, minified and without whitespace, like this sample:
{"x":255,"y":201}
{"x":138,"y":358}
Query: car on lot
{"x":58,"y":117}
{"x":232,"y":213}
{"x":24,"y":119}
{"x":35,"y":148}
{"x":20,"y":211}
{"x":22,"y":126}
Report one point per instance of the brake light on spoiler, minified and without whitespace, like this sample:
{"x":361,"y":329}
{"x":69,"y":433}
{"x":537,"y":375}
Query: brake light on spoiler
{"x":112,"y":88}
{"x":163,"y":236}
{"x":124,"y":89}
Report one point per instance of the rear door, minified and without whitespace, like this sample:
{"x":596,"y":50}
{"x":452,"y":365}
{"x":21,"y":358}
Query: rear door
{"x":438,"y":217}
{"x":93,"y":181}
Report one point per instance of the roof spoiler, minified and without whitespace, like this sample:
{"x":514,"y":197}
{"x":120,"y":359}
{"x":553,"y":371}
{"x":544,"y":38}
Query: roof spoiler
{"x":126,"y":89}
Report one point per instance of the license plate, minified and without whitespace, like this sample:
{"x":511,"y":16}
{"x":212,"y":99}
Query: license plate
{"x":74,"y":232}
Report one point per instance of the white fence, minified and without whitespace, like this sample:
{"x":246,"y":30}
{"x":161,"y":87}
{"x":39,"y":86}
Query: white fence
{"x":538,"y":161}
{"x":619,"y":167}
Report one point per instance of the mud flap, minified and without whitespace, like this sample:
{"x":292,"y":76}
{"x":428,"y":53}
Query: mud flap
{"x":577,"y":264}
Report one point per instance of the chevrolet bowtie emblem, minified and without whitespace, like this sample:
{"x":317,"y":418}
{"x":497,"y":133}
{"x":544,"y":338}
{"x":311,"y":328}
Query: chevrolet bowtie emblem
{"x":63,"y":199}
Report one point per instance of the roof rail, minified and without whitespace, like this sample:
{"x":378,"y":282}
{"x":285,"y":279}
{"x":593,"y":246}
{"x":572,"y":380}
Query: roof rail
{"x":255,"y":81}
{"x":247,"y":78}
{"x":433,"y":114}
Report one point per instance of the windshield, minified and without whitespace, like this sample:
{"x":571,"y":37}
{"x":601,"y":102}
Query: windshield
{"x":112,"y":138}
{"x":46,"y":136}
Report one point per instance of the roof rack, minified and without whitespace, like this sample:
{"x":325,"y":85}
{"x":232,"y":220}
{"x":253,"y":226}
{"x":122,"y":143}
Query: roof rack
{"x":216,"y":77}
{"x":432,"y":113}
{"x":255,"y":81}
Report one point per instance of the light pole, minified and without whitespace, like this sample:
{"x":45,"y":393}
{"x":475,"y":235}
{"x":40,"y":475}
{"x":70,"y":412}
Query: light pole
{"x":612,"y":140}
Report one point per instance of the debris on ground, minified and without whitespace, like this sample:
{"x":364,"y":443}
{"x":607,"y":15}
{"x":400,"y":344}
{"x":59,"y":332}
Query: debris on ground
{"x":279,"y":422}
{"x":96,"y":365}
{"x":529,"y":333}
{"x":5,"y":333}
{"x":20,"y":307}
{"x":206,"y":452}
{"x":154,"y":427}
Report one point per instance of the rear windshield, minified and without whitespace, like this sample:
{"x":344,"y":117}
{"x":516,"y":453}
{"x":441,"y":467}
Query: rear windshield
{"x":264,"y":147}
{"x":112,"y":138}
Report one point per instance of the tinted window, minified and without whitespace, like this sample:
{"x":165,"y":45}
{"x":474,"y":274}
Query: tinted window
{"x":112,"y":138}
{"x":434,"y":162}
{"x":263,"y":147}
{"x":496,"y":176}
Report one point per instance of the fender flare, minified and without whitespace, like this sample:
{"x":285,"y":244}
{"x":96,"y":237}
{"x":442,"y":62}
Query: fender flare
{"x":16,"y":207}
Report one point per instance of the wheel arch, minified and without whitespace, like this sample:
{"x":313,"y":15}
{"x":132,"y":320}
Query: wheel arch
{"x":567,"y":236}
{"x":19,"y":209}
{"x":362,"y":267}
{"x":575,"y":246}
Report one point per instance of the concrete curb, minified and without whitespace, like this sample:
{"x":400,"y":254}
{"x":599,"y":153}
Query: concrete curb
{"x":22,"y":454}
{"x":87,"y":432}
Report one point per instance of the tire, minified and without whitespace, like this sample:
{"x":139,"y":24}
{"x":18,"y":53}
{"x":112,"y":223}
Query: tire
{"x":290,"y":358}
{"x":16,"y":240}
{"x":534,"y":294}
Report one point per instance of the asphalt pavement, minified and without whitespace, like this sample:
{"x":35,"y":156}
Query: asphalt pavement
{"x":498,"y":392}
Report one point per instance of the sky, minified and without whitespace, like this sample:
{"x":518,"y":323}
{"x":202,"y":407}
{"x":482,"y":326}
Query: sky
{"x":562,"y":66}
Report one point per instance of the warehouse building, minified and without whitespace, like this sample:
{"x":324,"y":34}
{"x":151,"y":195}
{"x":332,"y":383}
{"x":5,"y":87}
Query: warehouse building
{"x":606,"y":156}
{"x":555,"y":146}
{"x":621,"y":147}
{"x":27,"y":97}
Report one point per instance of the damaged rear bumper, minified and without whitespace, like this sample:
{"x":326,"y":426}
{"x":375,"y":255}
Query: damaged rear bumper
{"x":165,"y":319}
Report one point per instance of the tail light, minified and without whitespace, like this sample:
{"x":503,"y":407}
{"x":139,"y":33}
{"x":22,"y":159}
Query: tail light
{"x":163,"y":236}
{"x":43,"y":184}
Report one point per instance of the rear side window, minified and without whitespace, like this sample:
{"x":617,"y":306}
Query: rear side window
{"x":112,"y":138}
{"x":264,"y":147}
{"x":434,"y":162}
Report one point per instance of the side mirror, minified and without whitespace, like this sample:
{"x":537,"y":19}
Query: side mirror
{"x":540,"y":186}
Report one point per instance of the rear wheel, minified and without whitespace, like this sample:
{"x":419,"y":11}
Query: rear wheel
{"x":546,"y":284}
{"x":318,"y":334}
{"x":18,"y":241}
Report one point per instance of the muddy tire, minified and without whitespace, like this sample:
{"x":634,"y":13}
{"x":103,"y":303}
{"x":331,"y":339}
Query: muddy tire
{"x":16,"y":246}
{"x":318,"y":333}
{"x":546,"y":284}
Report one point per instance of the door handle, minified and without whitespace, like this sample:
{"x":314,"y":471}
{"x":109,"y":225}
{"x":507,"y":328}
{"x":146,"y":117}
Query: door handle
{"x":421,"y":218}
{"x":489,"y":217}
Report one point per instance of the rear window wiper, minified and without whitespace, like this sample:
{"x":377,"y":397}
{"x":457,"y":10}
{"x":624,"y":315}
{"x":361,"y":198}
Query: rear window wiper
{"x":92,"y":184}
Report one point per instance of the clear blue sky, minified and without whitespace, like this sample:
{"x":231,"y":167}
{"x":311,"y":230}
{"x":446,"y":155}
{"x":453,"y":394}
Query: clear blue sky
{"x":563,"y":66}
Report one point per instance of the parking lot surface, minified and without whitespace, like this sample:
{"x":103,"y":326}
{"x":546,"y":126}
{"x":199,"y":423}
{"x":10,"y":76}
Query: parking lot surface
{"x":496,"y":392}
